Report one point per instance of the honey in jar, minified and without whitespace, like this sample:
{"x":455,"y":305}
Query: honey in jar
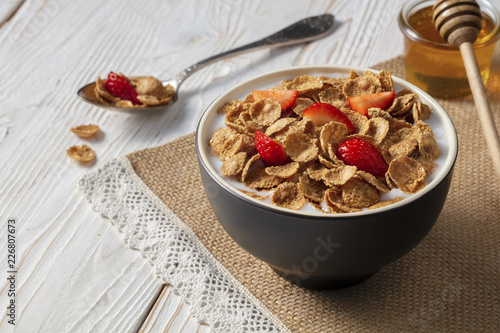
{"x":434,"y":65}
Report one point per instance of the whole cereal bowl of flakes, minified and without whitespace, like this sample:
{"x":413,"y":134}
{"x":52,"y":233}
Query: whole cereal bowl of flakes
{"x":326,"y":173}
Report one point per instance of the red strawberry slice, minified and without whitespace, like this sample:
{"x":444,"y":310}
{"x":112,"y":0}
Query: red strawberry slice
{"x":271,"y":153}
{"x":322,"y":113}
{"x":286,"y":98}
{"x":363,"y":156}
{"x":362,"y":103}
{"x":119,"y":87}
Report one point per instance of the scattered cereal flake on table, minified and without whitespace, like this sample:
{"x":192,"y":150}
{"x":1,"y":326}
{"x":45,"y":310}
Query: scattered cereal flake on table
{"x":265,"y":111}
{"x":288,"y":195}
{"x":234,"y":165}
{"x":283,"y":171}
{"x":357,"y":193}
{"x":407,"y":174}
{"x":300,"y":147}
{"x":85,"y":131}
{"x":82,"y":153}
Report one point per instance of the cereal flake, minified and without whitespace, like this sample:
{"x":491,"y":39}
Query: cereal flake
{"x":85,"y":131}
{"x":82,"y":153}
{"x":288,"y":195}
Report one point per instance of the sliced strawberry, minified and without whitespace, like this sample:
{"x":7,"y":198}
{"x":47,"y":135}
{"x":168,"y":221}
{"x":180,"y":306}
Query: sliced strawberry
{"x":362,"y":103}
{"x":119,"y":87}
{"x":271,"y":153}
{"x":322,"y":113}
{"x":363,"y":156}
{"x":286,"y":98}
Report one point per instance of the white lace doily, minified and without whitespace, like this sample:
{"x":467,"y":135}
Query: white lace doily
{"x":178,"y":257}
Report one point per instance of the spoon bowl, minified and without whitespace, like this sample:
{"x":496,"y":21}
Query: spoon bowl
{"x":303,"y":31}
{"x":87,"y":94}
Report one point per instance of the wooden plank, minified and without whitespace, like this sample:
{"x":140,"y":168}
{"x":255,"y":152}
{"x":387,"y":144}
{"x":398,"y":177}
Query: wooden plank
{"x":171,"y":314}
{"x":8,"y":8}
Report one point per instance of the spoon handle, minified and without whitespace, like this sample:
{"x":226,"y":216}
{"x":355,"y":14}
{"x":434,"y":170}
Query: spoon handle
{"x":305,"y":30}
{"x":482,"y":104}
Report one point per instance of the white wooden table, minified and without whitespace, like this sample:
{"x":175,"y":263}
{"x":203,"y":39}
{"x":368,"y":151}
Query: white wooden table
{"x":74,"y":273}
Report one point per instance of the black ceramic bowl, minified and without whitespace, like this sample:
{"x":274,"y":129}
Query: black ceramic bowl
{"x":315,"y":249}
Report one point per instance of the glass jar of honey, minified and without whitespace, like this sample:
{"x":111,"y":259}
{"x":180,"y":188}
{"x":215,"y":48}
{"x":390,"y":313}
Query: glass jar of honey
{"x":434,"y":65}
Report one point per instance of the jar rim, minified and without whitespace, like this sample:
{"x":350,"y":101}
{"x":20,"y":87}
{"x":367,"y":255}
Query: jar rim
{"x":411,"y":7}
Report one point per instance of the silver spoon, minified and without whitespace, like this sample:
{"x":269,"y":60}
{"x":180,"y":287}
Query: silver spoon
{"x":305,"y":30}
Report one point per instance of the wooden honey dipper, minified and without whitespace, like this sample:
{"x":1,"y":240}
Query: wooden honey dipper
{"x":459,"y":23}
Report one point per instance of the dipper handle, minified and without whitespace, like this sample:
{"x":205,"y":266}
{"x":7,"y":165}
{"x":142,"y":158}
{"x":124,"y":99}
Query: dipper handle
{"x":459,"y":23}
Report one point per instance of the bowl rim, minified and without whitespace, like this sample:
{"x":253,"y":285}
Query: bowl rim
{"x":203,"y":150}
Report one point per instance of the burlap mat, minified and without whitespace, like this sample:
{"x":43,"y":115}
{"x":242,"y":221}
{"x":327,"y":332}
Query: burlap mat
{"x":449,"y":283}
